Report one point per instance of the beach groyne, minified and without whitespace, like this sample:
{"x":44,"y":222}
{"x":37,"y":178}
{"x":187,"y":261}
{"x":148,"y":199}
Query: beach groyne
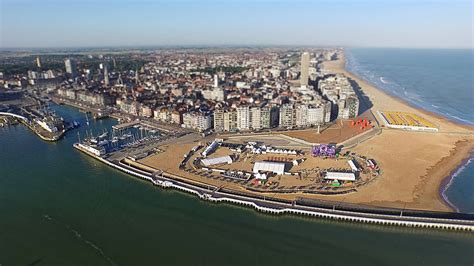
{"x":408,"y":218}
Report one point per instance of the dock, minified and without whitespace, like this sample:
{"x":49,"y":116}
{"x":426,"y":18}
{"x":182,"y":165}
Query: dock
{"x":125,"y":125}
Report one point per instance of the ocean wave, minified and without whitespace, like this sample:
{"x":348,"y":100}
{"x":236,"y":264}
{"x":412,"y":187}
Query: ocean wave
{"x":392,"y":87}
{"x":378,"y":81}
{"x":416,"y":97}
{"x":384,"y":81}
{"x":459,"y":118}
{"x":421,"y":101}
{"x":405,"y":92}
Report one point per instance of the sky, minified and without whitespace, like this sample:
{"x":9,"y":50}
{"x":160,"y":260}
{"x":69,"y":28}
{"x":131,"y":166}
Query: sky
{"x":356,"y":23}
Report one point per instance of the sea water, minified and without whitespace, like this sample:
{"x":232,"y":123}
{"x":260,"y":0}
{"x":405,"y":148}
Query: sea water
{"x":60,"y":207}
{"x":436,"y":80}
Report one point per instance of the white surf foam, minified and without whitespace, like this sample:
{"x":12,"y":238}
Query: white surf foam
{"x":384,"y":81}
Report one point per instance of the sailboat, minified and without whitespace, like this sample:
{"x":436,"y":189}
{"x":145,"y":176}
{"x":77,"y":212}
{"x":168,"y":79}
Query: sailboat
{"x":87,"y":120}
{"x":103,"y":135}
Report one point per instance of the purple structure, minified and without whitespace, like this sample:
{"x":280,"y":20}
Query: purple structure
{"x":328,"y":150}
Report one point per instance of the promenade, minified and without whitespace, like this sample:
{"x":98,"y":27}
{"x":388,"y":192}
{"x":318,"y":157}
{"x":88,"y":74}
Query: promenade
{"x":341,"y":212}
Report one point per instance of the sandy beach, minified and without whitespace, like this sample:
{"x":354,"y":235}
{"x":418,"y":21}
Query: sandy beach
{"x":382,"y":101}
{"x":414,"y":164}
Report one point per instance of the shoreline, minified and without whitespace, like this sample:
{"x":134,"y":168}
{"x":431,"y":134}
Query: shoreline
{"x":391,"y":101}
{"x":405,"y":101}
{"x":448,"y":181}
{"x":449,"y":178}
{"x":450,"y":173}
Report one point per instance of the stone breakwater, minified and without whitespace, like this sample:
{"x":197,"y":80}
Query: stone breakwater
{"x":277,"y":207}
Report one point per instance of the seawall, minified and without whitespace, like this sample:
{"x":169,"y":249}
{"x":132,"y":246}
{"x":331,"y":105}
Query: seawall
{"x":278,"y":207}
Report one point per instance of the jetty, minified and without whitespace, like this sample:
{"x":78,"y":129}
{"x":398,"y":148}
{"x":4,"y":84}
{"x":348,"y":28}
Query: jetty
{"x":125,"y":125}
{"x":39,"y":131}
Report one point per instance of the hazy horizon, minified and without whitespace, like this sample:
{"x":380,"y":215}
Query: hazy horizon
{"x":28,"y":24}
{"x":199,"y":46}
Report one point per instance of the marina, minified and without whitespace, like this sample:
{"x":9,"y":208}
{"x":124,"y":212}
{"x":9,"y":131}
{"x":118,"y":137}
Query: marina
{"x":116,"y":203}
{"x":130,"y":136}
{"x":266,"y":133}
{"x":110,"y":197}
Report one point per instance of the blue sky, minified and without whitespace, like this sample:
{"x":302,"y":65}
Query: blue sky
{"x":372,"y":23}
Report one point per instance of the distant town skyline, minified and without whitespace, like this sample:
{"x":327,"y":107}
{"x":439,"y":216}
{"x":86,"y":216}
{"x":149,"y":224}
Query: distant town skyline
{"x":366,"y":23}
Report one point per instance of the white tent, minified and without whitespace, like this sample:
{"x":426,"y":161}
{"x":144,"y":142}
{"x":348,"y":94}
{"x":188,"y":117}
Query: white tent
{"x":219,"y":160}
{"x":340,"y":176}
{"x":274,"y":167}
{"x":211,"y":148}
{"x":261,"y":176}
{"x":353,"y":166}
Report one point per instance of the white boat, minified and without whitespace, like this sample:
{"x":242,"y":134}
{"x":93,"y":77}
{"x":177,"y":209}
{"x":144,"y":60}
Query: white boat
{"x":103,"y":135}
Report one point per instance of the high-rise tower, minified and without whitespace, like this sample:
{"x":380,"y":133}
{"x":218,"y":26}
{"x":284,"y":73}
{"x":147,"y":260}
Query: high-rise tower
{"x":38,"y":62}
{"x":71,"y":67}
{"x":106,"y":76}
{"x":216,"y":81}
{"x":304,"y":77}
{"x":137,"y":76}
